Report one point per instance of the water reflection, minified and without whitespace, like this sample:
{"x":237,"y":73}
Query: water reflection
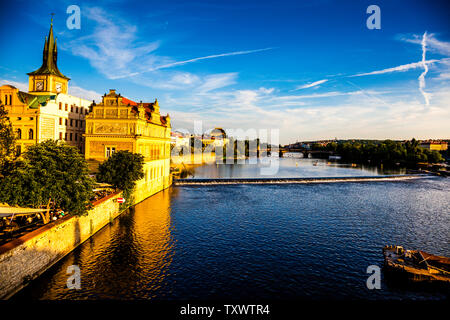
{"x":289,"y":167}
{"x":126,"y":260}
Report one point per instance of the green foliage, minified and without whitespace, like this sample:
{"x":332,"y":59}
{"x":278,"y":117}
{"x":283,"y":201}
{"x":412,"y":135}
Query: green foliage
{"x":52,"y":175}
{"x":7,"y":138}
{"x":387,"y":151}
{"x":122,"y":170}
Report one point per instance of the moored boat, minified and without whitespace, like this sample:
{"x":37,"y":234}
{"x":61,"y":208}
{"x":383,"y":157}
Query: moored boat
{"x":417,"y":265}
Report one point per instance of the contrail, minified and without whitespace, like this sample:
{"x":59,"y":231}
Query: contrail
{"x":425,"y":67}
{"x":179,"y":63}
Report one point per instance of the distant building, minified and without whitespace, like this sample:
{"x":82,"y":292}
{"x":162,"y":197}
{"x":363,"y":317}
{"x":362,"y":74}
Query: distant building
{"x":179,"y":139}
{"x":217,"y":137}
{"x":46,"y":111}
{"x":434,"y":145}
{"x":118,"y":123}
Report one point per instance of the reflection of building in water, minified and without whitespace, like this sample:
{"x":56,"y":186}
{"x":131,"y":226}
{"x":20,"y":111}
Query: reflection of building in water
{"x":118,"y":123}
{"x":129,"y":258}
{"x":153,"y":225}
{"x":46,"y":111}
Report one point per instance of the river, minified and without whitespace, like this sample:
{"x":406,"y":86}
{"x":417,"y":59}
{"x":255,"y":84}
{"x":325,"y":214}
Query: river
{"x":289,"y":241}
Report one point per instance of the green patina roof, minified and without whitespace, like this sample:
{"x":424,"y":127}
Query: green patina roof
{"x":49,"y":58}
{"x":33,"y":101}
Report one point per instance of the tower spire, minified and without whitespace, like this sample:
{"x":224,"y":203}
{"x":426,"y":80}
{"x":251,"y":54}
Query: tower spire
{"x":49,"y":57}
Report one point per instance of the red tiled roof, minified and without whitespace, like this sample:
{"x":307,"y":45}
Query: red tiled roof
{"x":128,"y":101}
{"x":148,"y":107}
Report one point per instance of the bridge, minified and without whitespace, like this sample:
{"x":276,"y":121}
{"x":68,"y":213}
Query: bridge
{"x":306,"y":153}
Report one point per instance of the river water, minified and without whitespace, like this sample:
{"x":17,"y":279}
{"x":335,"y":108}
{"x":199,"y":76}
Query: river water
{"x":289,"y":241}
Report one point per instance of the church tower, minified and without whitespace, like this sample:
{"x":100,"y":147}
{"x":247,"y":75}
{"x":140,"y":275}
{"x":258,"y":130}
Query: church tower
{"x":48,"y":79}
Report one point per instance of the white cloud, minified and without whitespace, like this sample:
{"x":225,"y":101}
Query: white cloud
{"x":22,"y":86}
{"x":434,"y":44}
{"x":443,"y":76}
{"x":73,"y":90}
{"x":362,"y":113}
{"x":113,"y":48}
{"x":426,"y":95}
{"x":401,"y":68}
{"x":310,"y":85}
{"x":85,"y":94}
{"x":216,"y":81}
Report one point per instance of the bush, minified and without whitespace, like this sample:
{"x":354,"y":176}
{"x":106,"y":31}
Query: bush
{"x":122,"y":170}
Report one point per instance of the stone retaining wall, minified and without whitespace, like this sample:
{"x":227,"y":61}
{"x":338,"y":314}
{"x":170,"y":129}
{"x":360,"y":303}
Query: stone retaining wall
{"x":27,"y":257}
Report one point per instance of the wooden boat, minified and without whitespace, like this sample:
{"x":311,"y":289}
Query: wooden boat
{"x":417,"y":265}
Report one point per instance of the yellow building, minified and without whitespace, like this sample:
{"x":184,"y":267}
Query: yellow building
{"x":118,"y":123}
{"x":434,"y":145}
{"x":46,"y":111}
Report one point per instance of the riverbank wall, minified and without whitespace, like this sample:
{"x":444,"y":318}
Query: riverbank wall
{"x":25,"y":258}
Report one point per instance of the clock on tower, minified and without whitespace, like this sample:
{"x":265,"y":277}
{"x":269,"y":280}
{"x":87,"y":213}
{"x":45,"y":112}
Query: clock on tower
{"x":48,"y":78}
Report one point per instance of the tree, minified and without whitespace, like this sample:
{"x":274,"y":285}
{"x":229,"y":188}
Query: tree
{"x":51,"y":175}
{"x":122,"y":170}
{"x":7,"y":138}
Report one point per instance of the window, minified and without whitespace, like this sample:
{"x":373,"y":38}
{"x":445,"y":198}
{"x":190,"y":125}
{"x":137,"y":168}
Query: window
{"x":60,"y":121}
{"x":109,"y":151}
{"x":66,"y":107}
{"x":30,"y":134}
{"x":60,"y":136}
{"x":76,"y":136}
{"x":76,"y":123}
{"x":70,"y":137}
{"x":66,"y":122}
{"x":76,"y":109}
{"x":8,"y":102}
{"x":71,"y":122}
{"x":65,"y":136}
{"x":19,"y":133}
{"x":60,"y":106}
{"x":71,"y":108}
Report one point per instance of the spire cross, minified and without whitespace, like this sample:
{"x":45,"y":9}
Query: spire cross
{"x":52,"y":14}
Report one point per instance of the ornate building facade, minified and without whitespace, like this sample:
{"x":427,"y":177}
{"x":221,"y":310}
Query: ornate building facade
{"x":46,"y":111}
{"x":118,"y":123}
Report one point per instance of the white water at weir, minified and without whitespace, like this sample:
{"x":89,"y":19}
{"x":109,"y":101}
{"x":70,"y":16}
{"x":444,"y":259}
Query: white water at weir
{"x":186,"y":182}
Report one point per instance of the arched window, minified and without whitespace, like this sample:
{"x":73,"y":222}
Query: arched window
{"x":30,"y":134}
{"x":19,"y":134}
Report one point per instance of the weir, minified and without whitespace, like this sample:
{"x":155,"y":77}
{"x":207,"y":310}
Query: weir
{"x":223,"y":181}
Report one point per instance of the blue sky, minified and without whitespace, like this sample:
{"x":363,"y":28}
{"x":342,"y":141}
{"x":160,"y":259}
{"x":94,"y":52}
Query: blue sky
{"x":311,"y":69}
